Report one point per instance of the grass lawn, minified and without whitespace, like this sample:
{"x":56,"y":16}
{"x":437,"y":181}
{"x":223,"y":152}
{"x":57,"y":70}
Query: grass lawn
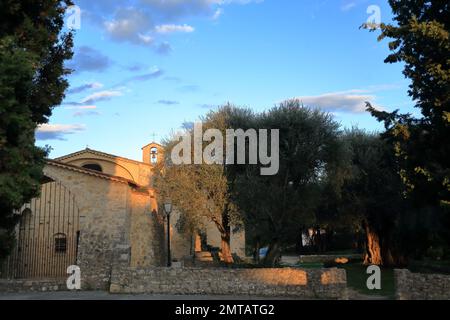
{"x":340,"y":252}
{"x":357,"y":277}
{"x":430,"y":266}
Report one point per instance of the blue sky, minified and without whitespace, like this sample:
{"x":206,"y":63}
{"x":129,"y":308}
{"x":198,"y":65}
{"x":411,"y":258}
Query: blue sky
{"x":144,"y":67}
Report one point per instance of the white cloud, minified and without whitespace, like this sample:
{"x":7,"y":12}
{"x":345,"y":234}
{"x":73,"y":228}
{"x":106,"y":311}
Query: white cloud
{"x":60,"y":127}
{"x":154,"y":73}
{"x":135,"y":21}
{"x":348,"y":6}
{"x":101,"y":96}
{"x":84,"y":113}
{"x":88,"y":107}
{"x":145,"y":38}
{"x":57,"y":131}
{"x":219,"y":12}
{"x":171,"y":28}
{"x":84,"y":87}
{"x":168,"y":102}
{"x":352,"y":101}
{"x":130,"y":25}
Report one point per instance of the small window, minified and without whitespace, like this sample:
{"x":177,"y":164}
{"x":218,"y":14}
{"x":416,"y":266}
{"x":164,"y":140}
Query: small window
{"x":60,"y":243}
{"x":93,"y":166}
{"x":154,"y":155}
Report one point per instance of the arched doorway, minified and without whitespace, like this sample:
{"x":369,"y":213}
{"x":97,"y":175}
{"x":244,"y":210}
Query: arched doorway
{"x":47,"y":235}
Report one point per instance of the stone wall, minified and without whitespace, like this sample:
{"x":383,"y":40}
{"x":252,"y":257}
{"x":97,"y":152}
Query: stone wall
{"x":420,"y":286}
{"x":180,"y":241}
{"x":115,"y":221}
{"x":327,"y":258}
{"x":283,"y":282}
{"x":33,"y":285}
{"x":147,"y":232}
{"x":138,"y":172}
{"x":104,"y":222}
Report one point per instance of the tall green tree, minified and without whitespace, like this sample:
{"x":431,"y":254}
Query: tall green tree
{"x":371,"y":198}
{"x":420,"y":40}
{"x":279,"y":207}
{"x":33,"y":48}
{"x":202,"y":192}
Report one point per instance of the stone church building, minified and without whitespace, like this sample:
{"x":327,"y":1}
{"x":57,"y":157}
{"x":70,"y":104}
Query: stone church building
{"x":98,"y":211}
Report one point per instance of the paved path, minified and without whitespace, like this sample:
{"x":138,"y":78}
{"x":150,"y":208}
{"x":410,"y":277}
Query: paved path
{"x":355,"y":295}
{"x":100,"y":295}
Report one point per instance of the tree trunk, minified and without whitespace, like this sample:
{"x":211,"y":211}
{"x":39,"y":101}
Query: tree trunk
{"x":373,"y":247}
{"x":273,"y":254}
{"x":387,"y":253}
{"x":225,"y":234}
{"x":388,"y":258}
{"x":226,"y":249}
{"x":319,"y":240}
{"x":256,"y":252}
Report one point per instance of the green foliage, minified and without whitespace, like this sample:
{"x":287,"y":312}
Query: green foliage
{"x":421,"y":41}
{"x":372,"y":191}
{"x":206,"y":184}
{"x":202,"y":192}
{"x":32,"y":82}
{"x":397,"y":189}
{"x":274,"y":208}
{"x":357,"y":278}
{"x":277,"y":208}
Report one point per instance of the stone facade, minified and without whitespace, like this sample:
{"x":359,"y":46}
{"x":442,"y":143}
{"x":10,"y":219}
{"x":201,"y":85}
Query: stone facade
{"x":288,"y":282}
{"x":118,"y":220}
{"x":181,"y":244}
{"x":419,"y":286}
{"x":147,"y":232}
{"x":110,"y":229}
{"x":138,"y":172}
{"x":141,"y":173}
{"x":32,"y":285}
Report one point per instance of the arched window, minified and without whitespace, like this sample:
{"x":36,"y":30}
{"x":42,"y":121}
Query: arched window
{"x":60,"y":243}
{"x":154,"y":155}
{"x":93,"y":166}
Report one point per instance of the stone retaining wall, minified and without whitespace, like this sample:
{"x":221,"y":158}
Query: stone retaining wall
{"x":310,"y":283}
{"x":420,"y":286}
{"x":33,"y":285}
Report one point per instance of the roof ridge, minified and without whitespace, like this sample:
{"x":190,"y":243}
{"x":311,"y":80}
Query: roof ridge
{"x":109,"y":155}
{"x":92,"y":172}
